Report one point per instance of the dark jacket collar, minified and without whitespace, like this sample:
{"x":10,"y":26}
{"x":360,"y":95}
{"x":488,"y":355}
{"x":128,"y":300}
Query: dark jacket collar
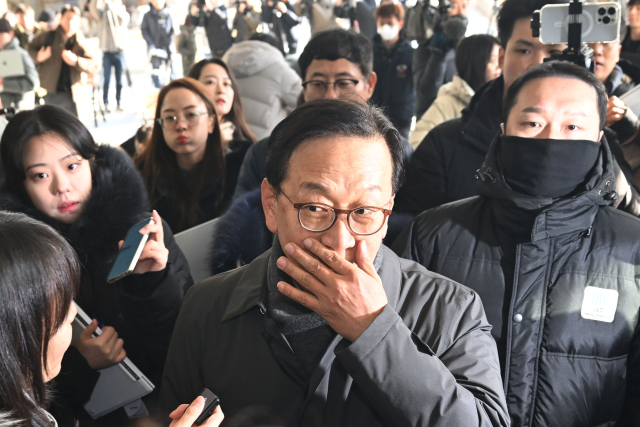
{"x":482,"y":117}
{"x":250,"y":291}
{"x":550,"y":218}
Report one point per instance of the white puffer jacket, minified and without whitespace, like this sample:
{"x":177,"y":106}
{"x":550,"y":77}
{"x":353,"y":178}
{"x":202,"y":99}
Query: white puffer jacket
{"x":268,"y":87}
{"x":452,"y":99}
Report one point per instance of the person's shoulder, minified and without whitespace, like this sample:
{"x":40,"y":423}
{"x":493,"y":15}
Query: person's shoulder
{"x":458,"y":215}
{"x":226,"y":290}
{"x":617,"y":221}
{"x":446,"y":133}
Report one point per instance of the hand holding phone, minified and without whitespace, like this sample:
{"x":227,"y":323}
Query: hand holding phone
{"x":153,"y":255}
{"x":204,"y":411}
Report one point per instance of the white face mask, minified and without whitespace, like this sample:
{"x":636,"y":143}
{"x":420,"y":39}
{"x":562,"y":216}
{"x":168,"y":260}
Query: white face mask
{"x":387,"y":32}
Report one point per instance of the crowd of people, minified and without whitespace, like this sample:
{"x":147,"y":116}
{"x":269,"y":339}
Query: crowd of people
{"x":413,"y":227}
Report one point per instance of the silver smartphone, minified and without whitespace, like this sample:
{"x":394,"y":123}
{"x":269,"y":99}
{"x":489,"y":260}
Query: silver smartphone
{"x":600,"y":23}
{"x":130,"y":252}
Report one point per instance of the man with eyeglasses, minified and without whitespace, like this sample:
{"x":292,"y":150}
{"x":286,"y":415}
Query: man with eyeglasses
{"x":334,"y":64}
{"x":329,"y":327}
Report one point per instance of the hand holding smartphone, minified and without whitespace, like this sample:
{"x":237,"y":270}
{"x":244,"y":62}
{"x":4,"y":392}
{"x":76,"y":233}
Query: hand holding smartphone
{"x":142,"y":250}
{"x":204,"y":411}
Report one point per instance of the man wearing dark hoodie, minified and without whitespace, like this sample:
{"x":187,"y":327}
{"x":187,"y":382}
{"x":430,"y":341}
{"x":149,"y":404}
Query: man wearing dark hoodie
{"x":443,"y":167}
{"x":158,"y":30}
{"x":555,"y":265}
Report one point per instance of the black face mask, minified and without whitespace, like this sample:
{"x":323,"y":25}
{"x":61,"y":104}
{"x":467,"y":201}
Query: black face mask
{"x":547,"y":167}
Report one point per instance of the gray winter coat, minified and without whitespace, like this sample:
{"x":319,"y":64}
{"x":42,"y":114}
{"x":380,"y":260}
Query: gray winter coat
{"x":19,"y":90}
{"x":534,"y":262}
{"x":427,"y":360}
{"x":269,"y":88}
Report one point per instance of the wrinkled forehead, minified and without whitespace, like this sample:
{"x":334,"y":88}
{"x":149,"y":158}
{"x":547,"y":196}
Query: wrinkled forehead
{"x":339,"y":164}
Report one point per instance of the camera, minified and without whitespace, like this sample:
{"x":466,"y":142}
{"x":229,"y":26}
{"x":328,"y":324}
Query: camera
{"x":576,"y":24}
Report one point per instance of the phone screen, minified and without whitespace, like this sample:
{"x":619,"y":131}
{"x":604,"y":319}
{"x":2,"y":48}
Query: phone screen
{"x":130,"y":252}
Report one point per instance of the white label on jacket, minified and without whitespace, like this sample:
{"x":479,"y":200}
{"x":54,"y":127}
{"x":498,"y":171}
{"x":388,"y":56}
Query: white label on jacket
{"x":599,"y":304}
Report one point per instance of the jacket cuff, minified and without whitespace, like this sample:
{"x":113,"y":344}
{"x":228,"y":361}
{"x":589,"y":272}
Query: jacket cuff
{"x":143,"y":285}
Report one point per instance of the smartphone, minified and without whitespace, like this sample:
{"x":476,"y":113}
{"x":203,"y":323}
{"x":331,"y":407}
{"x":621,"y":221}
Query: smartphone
{"x":130,"y":252}
{"x":600,"y":23}
{"x":211,"y":402}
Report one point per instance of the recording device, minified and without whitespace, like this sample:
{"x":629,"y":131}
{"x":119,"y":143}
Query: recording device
{"x":211,"y":402}
{"x":576,"y":23}
{"x":130,"y":252}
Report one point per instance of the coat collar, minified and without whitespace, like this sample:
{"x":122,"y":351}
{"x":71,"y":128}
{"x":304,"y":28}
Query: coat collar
{"x":250,"y":291}
{"x":550,"y":217}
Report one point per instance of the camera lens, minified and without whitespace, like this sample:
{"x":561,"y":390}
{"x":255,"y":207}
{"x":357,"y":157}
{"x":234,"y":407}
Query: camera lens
{"x":602,"y":11}
{"x":612,"y":11}
{"x":606,"y":20}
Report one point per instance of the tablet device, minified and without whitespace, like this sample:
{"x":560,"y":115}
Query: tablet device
{"x":11,"y":63}
{"x":118,"y":385}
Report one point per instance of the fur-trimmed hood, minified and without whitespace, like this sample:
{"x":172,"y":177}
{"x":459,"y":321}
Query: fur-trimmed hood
{"x":118,"y":200}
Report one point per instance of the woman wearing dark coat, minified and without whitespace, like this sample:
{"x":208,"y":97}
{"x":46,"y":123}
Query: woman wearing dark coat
{"x":141,"y":308}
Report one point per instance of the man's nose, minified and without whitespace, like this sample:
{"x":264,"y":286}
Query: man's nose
{"x":331,"y":92}
{"x":339,"y":236}
{"x":550,"y":132}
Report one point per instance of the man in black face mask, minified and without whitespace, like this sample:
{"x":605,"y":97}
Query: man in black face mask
{"x":554,"y":264}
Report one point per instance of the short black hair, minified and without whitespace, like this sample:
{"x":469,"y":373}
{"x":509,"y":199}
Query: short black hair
{"x":330,"y":118}
{"x":5,"y":26}
{"x":472,"y":56}
{"x":69,"y":8}
{"x":633,"y":3}
{"x":560,"y":69}
{"x":513,"y":10}
{"x":336,"y":44}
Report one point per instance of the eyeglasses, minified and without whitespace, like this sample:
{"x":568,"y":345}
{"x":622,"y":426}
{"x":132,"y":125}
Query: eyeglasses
{"x":318,"y":88}
{"x":171,"y":122}
{"x":363,"y":220}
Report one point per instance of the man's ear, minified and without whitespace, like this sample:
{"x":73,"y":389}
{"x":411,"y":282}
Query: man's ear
{"x":371,"y":82}
{"x":501,"y":58}
{"x":269,"y":205}
{"x":503,"y":128}
{"x":400,"y":24}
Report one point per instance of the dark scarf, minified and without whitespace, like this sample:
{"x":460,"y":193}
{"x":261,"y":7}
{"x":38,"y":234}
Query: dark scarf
{"x":547,"y":167}
{"x":308,"y":334}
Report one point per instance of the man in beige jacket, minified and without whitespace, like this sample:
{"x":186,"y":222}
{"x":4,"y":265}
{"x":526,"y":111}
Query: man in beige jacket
{"x":62,"y":60}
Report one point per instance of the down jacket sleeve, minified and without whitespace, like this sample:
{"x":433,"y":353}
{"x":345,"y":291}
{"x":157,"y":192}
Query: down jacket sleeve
{"x":154,"y":301}
{"x":453,"y":382}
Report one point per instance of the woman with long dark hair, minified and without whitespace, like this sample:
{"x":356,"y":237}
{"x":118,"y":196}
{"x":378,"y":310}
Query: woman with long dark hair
{"x":476,"y":64}
{"x":39,"y":277}
{"x":189,"y":175}
{"x":92,"y":195}
{"x":221,"y":85}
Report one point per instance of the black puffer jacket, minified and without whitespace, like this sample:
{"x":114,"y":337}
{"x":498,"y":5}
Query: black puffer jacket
{"x":443,"y":167}
{"x":142,"y":308}
{"x":531,"y":261}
